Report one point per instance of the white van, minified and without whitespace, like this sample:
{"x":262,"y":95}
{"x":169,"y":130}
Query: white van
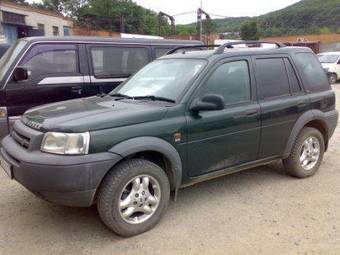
{"x":331,"y":63}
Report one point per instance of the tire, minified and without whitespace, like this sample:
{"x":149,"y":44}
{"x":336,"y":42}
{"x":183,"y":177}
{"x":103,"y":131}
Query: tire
{"x":332,"y":78}
{"x":293,"y":164}
{"x":121,"y":184}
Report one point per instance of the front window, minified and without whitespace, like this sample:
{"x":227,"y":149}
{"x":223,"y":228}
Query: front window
{"x":10,"y":55}
{"x":162,"y":78}
{"x":43,"y":59}
{"x":326,"y":58}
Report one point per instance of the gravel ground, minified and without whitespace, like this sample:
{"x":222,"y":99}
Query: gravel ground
{"x":259,"y":211}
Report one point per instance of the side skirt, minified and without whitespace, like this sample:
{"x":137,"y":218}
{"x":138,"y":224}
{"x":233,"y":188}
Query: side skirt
{"x":230,"y":170}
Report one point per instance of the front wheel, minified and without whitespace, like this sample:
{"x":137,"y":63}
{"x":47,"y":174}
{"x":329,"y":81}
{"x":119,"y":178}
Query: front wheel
{"x":306,"y":155}
{"x":133,"y":197}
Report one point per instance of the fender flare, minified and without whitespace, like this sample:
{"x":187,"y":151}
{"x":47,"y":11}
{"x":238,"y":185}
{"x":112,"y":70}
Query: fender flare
{"x":298,"y":126}
{"x":140,"y":144}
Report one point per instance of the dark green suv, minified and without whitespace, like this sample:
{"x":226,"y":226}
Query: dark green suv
{"x":182,"y":119}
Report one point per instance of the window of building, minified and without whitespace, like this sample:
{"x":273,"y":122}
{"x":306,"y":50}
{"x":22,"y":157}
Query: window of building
{"x":272,"y":77}
{"x":45,"y":59}
{"x":55,"y":30}
{"x":110,"y":61}
{"x":41,"y":28}
{"x":67,"y":31}
{"x":230,"y":80}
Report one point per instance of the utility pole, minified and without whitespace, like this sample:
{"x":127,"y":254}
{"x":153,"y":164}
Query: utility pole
{"x":200,"y":13}
{"x":172,"y":20}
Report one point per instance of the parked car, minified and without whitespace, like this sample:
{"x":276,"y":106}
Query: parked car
{"x":40,"y":70}
{"x":331,"y":63}
{"x":182,"y":119}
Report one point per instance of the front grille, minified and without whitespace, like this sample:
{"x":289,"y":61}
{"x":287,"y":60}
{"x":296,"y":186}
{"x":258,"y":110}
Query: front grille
{"x":21,"y":139}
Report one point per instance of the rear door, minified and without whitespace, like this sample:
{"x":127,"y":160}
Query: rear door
{"x":112,"y":64}
{"x":282,"y":101}
{"x":55,"y":75}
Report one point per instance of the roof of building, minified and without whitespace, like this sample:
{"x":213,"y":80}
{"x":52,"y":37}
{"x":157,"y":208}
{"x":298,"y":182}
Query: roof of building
{"x":27,"y":7}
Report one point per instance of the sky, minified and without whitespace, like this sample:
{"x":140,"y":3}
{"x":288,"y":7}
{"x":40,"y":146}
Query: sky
{"x":222,"y":8}
{"x":225,"y":8}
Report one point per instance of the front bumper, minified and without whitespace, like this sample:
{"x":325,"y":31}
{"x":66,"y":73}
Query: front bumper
{"x":66,"y":180}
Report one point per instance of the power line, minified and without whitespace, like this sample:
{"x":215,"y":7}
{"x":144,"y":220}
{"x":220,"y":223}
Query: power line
{"x":183,"y":13}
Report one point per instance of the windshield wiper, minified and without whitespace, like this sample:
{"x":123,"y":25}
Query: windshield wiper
{"x":121,"y":95}
{"x":155,"y":98}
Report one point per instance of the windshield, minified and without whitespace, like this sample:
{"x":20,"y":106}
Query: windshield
{"x":166,"y":78}
{"x":327,"y":58}
{"x":8,"y":58}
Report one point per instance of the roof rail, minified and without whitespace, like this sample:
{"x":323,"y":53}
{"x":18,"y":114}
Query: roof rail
{"x":192,"y":47}
{"x":230,"y":45}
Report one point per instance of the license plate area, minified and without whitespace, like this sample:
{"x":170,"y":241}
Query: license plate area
{"x":7,"y":167}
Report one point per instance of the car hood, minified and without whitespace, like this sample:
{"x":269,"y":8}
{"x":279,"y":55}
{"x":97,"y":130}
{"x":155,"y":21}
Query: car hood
{"x":92,"y":113}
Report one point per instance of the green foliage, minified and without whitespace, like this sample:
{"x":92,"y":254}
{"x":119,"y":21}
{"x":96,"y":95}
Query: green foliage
{"x":304,"y":17}
{"x":249,"y":31}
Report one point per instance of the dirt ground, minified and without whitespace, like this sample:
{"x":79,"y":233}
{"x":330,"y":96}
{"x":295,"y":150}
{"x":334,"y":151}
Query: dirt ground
{"x":259,"y":211}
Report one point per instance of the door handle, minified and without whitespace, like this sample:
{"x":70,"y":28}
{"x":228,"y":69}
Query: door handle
{"x":251,"y":112}
{"x":302,"y":104}
{"x":77,"y":89}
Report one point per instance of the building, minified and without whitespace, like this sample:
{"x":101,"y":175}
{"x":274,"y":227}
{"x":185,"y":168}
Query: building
{"x":20,"y":20}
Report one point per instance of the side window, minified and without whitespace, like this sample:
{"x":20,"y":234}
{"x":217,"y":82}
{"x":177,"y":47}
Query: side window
{"x":313,"y":75}
{"x":110,"y":61}
{"x":44,"y":59}
{"x":230,"y":80}
{"x":293,"y":80}
{"x":161,"y":51}
{"x":272,"y":77}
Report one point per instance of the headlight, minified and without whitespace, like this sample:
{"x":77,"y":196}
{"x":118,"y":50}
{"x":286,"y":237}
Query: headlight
{"x":66,"y":143}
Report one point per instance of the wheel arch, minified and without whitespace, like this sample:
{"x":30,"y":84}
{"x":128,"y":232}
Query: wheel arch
{"x":153,"y":149}
{"x":312,"y":118}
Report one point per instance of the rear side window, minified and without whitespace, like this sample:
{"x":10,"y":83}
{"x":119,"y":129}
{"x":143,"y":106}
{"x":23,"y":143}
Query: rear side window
{"x":272,"y":77}
{"x":314,"y":77}
{"x":46,"y":59}
{"x":161,"y":51}
{"x":293,"y":80}
{"x":108,"y":62}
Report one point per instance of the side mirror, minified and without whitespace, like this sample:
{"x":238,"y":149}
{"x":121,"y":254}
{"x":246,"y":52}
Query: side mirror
{"x":20,"y":73}
{"x":210,"y":102}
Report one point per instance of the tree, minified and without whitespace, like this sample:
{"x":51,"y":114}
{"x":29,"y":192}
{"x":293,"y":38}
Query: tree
{"x":249,"y":31}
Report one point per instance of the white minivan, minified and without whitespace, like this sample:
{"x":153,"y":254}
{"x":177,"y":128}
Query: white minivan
{"x":331,"y":63}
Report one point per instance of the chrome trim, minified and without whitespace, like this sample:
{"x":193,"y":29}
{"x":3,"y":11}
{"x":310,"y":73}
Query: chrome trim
{"x":96,"y":80}
{"x":62,"y":80}
{"x":14,"y":118}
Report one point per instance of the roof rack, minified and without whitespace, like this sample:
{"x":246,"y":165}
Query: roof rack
{"x":191,"y":47}
{"x":230,"y":45}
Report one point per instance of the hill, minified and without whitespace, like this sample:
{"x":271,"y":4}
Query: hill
{"x":304,"y":17}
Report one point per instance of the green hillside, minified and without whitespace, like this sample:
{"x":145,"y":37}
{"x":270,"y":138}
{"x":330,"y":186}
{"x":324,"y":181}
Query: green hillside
{"x":304,"y":17}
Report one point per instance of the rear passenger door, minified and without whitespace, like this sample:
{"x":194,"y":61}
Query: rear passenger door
{"x":112,"y":64}
{"x":55,"y":75}
{"x":281,"y":99}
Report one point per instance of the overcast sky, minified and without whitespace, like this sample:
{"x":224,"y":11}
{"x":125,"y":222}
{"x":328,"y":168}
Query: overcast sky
{"x":230,"y":8}
{"x":224,"y":8}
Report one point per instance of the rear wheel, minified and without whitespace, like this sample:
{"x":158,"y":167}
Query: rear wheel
{"x":306,"y":155}
{"x":333,"y":78}
{"x":133,"y":197}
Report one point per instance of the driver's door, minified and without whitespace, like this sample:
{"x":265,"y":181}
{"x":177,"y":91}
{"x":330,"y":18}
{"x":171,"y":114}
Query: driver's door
{"x":55,"y":75}
{"x":228,"y":137}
